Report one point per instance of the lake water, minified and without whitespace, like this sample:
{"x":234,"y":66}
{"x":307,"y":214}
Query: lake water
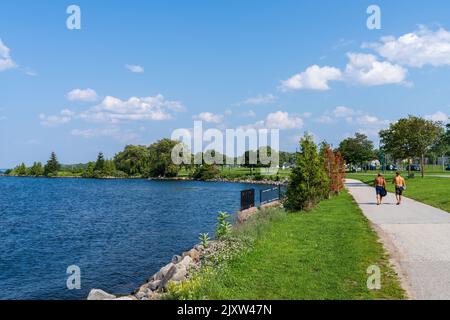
{"x":119,"y":232}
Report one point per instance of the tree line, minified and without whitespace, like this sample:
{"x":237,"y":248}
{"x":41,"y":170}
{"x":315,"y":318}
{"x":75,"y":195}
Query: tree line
{"x":405,"y":140}
{"x":145,"y":162}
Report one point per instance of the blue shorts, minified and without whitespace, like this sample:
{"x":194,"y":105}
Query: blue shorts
{"x":379,"y":190}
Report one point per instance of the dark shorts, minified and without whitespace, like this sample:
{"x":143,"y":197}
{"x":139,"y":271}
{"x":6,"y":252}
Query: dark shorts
{"x":399,"y":191}
{"x":379,"y":190}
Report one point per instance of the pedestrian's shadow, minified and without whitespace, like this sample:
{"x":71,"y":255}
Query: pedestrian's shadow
{"x":374,"y":204}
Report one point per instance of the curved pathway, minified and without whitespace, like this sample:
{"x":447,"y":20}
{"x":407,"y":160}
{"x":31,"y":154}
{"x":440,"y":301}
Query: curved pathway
{"x":417,"y":237}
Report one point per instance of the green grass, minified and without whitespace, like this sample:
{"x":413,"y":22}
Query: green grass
{"x":432,"y":191}
{"x":240,"y":172}
{"x":323,"y":254}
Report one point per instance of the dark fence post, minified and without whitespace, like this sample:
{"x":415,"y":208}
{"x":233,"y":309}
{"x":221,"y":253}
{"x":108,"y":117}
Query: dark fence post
{"x":247,"y":199}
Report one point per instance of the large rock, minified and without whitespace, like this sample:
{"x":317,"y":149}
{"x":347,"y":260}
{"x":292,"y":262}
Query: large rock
{"x":161,"y":274}
{"x":154,"y":285}
{"x":186,"y":262}
{"x":194,"y":254}
{"x":177,"y":273}
{"x":97,"y":294}
{"x":180,"y":273}
{"x":176,"y":259}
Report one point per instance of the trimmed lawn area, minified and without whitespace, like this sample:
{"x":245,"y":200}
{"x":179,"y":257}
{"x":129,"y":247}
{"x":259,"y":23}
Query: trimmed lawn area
{"x":432,"y":191}
{"x":241,"y":172}
{"x":322,"y":254}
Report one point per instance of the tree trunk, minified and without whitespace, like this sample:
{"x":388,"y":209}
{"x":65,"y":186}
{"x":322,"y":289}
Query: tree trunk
{"x":409,"y":166}
{"x":443,"y":163}
{"x":422,"y":165}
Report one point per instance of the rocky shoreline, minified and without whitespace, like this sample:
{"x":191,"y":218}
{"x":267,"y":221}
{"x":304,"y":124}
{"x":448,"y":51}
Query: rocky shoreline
{"x":181,"y":267}
{"x":283,"y":182}
{"x":178,"y":270}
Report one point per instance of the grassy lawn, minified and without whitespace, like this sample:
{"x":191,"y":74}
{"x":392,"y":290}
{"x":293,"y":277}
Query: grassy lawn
{"x":240,"y":172}
{"x":432,"y":191}
{"x":319,"y":255}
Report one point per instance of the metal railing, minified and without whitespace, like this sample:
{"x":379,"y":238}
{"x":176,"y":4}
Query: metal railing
{"x":266,"y":196}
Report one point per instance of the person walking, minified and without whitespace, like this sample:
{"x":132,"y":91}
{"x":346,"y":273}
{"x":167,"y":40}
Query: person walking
{"x":400,"y":186}
{"x":380,"y":188}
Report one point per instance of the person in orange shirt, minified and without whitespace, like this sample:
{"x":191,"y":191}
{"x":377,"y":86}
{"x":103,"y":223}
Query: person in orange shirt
{"x":380,"y":187}
{"x":400,"y":186}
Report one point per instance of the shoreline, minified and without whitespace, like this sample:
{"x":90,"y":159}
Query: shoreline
{"x":282,"y":182}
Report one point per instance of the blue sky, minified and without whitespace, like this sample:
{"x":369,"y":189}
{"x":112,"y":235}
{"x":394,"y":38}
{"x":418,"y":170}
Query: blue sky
{"x":295,"y":65}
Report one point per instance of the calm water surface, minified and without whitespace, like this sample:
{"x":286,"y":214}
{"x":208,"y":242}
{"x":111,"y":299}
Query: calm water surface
{"x":119,"y":232}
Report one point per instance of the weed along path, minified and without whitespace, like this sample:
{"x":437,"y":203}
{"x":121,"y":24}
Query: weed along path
{"x":417,"y":237}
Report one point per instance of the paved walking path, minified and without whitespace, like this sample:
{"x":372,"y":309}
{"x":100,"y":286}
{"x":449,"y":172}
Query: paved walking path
{"x":417,"y":237}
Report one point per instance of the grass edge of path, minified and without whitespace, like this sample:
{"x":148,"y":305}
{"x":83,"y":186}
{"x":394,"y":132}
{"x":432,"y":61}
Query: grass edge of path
{"x":328,"y":260}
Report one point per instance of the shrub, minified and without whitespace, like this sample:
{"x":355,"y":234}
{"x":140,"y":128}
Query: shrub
{"x":205,"y":172}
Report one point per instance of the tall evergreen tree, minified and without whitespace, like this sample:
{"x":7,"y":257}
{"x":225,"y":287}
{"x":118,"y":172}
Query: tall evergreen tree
{"x":53,"y":166}
{"x":308,"y":182}
{"x":100,"y":163}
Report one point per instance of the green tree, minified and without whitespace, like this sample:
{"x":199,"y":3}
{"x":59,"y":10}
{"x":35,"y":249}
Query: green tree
{"x":36,"y":170}
{"x":134,"y":160}
{"x":109,"y":169}
{"x":161,"y":164}
{"x":441,"y":147}
{"x":411,"y":137}
{"x":89,"y":172}
{"x":100,"y":163}
{"x":308,"y":183}
{"x":357,"y":150}
{"x":53,"y":166}
{"x":21,"y":170}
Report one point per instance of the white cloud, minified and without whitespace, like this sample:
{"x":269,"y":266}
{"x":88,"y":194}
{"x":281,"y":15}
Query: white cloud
{"x":91,"y":133}
{"x":6,"y":62}
{"x":87,"y":95}
{"x":260,"y":99}
{"x":357,"y":119}
{"x":438,"y":116}
{"x":249,"y":114}
{"x":113,"y":132}
{"x":313,"y":78}
{"x":343,"y":112}
{"x":209,"y":117}
{"x":340,"y":112}
{"x":135,"y":68}
{"x":368,"y":120}
{"x":65,"y":116}
{"x":325,"y":119}
{"x":416,"y":49}
{"x":365,"y":69}
{"x":277,"y":120}
{"x":114,"y":110}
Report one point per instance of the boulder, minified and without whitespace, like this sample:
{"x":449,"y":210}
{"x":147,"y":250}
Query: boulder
{"x":155,"y":285}
{"x":194,"y":254}
{"x":176,"y":259}
{"x":177,"y":273}
{"x":180,"y":273}
{"x":186,"y":262}
{"x":97,"y":294}
{"x":161,"y":274}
